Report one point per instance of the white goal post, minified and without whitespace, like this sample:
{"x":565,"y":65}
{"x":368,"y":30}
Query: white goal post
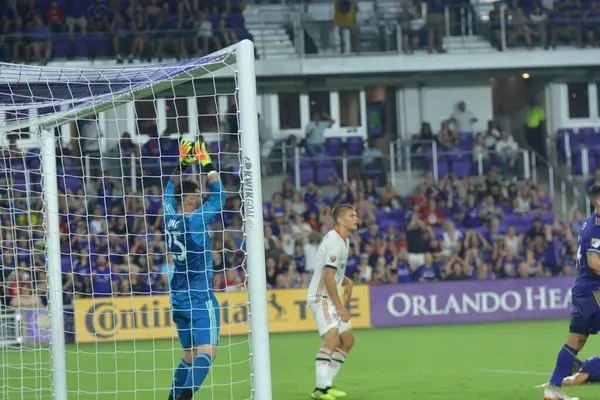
{"x":28,"y":92}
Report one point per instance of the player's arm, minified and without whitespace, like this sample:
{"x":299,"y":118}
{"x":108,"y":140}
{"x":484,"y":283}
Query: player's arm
{"x":216,"y":201}
{"x":593,"y":259}
{"x":331,"y":286}
{"x":348,"y":286}
{"x":185,"y":151}
{"x":578,"y":379}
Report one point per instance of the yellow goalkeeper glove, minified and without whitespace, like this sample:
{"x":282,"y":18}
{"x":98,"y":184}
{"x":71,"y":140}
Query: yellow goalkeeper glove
{"x":203,"y":157}
{"x":186,"y":154}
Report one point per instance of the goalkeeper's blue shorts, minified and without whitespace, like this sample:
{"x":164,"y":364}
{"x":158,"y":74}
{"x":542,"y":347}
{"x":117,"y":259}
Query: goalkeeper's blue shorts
{"x":197,"y":319}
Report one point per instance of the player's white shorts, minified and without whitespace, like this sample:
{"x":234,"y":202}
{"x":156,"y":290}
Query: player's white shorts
{"x":326,"y":317}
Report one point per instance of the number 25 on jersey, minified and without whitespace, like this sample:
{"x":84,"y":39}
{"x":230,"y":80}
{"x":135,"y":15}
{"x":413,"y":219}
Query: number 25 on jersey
{"x":175,"y":245}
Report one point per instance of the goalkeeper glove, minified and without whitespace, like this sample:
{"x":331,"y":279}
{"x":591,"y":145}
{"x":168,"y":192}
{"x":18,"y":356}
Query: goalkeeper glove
{"x":186,"y":155}
{"x":203,"y":157}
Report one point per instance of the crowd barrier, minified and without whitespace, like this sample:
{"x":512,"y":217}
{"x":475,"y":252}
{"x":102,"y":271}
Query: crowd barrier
{"x":149,"y":317}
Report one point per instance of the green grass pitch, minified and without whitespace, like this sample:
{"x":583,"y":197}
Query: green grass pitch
{"x":467,"y":362}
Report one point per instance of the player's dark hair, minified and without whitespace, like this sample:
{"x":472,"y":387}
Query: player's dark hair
{"x":185,"y":187}
{"x":341,"y":210}
{"x":594,"y":192}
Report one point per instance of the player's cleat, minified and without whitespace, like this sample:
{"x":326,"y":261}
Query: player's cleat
{"x":186,"y":394}
{"x":320,"y":395}
{"x":552,"y":392}
{"x":335,"y":392}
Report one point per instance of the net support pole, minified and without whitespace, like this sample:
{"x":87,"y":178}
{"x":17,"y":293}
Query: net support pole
{"x":55,"y":301}
{"x":253,"y":226}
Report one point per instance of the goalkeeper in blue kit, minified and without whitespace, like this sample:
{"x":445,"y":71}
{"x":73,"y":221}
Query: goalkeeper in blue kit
{"x":196,"y":312}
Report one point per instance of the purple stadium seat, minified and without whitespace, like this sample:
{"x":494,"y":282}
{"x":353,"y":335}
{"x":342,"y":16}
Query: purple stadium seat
{"x":355,"y":145}
{"x":461,"y":168}
{"x":307,"y":174}
{"x":324,"y":172}
{"x":511,"y":219}
{"x":60,"y":46}
{"x":81,"y":46}
{"x":333,"y":146}
{"x":562,"y":136}
{"x":172,"y":21}
{"x":235,"y":21}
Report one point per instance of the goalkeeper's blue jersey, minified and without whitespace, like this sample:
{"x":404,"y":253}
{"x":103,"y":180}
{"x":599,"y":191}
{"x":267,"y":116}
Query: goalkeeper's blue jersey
{"x":190,"y":243}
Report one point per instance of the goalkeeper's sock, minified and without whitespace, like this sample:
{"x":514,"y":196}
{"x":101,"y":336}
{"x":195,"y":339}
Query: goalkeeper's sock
{"x":197,"y":373}
{"x":564,"y":363}
{"x":337,"y":359}
{"x":322,"y":362}
{"x":179,"y":379}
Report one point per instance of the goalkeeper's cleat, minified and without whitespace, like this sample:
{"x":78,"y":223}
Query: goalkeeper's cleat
{"x":201,"y":154}
{"x":552,"y":392}
{"x":186,"y":394}
{"x":335,"y":392}
{"x":320,"y":395}
{"x":186,"y":156}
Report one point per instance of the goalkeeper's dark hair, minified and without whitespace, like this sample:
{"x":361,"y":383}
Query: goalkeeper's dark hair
{"x":184,"y":188}
{"x":341,"y":210}
{"x":594,"y":192}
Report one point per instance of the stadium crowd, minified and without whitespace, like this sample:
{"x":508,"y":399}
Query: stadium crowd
{"x":527,"y":23}
{"x":39,"y":30}
{"x":455,"y":229}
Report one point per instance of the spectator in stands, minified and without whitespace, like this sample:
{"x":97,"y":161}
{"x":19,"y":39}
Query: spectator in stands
{"x":564,"y":22}
{"x":156,"y":13}
{"x":30,"y":11}
{"x":481,"y":152}
{"x":463,"y":119}
{"x":141,"y":37}
{"x":495,"y":16}
{"x":186,"y":41}
{"x":122,"y":31}
{"x":205,"y":34}
{"x":224,"y":36}
{"x":346,"y":19}
{"x":76,"y":13}
{"x":411,"y":25}
{"x":446,"y":138}
{"x":520,"y":27}
{"x":507,"y":152}
{"x":591,"y":24}
{"x":267,"y":142}
{"x":315,"y":132}
{"x":538,"y":22}
{"x":436,"y":25}
{"x":41,"y":44}
{"x":55,"y":18}
{"x":134,"y":10}
{"x":12,"y":25}
{"x":97,"y":15}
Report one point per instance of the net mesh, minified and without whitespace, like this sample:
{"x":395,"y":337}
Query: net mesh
{"x":117,"y":141}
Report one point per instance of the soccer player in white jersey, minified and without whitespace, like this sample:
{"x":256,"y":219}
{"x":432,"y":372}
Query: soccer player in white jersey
{"x":327,"y":304}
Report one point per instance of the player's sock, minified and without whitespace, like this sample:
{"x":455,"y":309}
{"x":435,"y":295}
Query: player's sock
{"x":322,"y":362}
{"x":197,"y":373}
{"x":337,"y":359}
{"x":179,"y":379}
{"x":564,"y":363}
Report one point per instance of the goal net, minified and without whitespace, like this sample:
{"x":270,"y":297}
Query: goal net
{"x":84,"y":270}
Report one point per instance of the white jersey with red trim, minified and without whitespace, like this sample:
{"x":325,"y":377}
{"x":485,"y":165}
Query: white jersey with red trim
{"x":332,"y":253}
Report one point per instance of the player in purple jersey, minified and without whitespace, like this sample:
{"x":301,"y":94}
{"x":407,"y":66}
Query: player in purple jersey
{"x":586,"y":371}
{"x":585,"y":313}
